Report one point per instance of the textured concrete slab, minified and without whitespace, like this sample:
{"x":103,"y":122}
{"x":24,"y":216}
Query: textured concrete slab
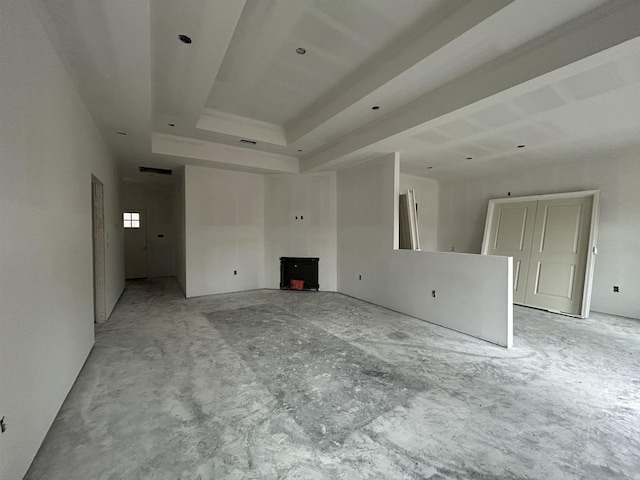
{"x":329,"y":386}
{"x":305,"y":385}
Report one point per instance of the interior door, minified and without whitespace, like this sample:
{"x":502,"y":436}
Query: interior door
{"x":511,"y":235}
{"x":559,"y":254}
{"x":135,"y":244}
{"x":97,"y":223}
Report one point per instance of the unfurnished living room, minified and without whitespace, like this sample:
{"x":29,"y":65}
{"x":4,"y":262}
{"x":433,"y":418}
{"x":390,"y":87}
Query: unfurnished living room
{"x":319,"y":239}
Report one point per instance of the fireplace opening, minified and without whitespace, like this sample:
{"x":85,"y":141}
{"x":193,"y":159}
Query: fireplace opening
{"x":299,"y":269}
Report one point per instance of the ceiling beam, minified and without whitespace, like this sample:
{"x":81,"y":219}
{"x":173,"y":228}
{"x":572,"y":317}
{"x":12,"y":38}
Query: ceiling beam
{"x":606,"y":27}
{"x":220,"y":154}
{"x":241,"y":127}
{"x":454,"y":19}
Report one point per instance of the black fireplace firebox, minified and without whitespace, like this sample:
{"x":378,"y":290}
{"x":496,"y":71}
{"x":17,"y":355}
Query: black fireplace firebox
{"x":299,"y":268}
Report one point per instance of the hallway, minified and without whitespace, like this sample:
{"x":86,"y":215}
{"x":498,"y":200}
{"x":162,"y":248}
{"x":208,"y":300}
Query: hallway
{"x":271,"y":384}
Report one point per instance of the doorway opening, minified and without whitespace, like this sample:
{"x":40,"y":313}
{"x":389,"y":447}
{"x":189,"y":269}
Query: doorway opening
{"x":98,"y":237}
{"x":135,"y":244}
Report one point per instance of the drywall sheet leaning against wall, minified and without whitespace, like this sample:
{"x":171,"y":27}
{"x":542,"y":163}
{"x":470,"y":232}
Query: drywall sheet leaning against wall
{"x":468,"y":293}
{"x":408,"y":221}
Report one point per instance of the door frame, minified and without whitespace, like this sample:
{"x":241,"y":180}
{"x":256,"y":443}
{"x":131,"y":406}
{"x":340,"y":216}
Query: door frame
{"x":592,"y":250}
{"x":98,"y":250}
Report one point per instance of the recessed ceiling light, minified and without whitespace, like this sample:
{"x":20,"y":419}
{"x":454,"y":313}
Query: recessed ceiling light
{"x":521,"y":146}
{"x":469,"y":158}
{"x":375,"y":107}
{"x":185,"y":39}
{"x":171,"y":124}
{"x":301,"y":51}
{"x":121,"y":133}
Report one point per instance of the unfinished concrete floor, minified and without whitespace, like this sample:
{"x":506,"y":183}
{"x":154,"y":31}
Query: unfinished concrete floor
{"x":304,"y":385}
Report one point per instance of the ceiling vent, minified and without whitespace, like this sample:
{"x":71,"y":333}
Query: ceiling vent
{"x":250,"y":142}
{"x":156,"y":171}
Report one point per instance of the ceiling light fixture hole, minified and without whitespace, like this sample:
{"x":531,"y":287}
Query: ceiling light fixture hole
{"x":521,"y":146}
{"x":375,"y":107}
{"x":429,"y":168}
{"x":121,"y":133}
{"x":299,"y":150}
{"x":301,"y":51}
{"x":171,"y":124}
{"x":469,"y":158}
{"x":185,"y":39}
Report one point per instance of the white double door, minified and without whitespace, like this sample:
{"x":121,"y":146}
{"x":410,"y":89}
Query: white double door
{"x":549,"y":241}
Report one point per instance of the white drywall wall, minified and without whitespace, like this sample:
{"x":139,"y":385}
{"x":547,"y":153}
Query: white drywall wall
{"x":312,"y":199}
{"x":463,"y":208}
{"x":473,"y":292}
{"x":427,"y":200}
{"x":157,"y":202}
{"x":224,"y":231}
{"x":49,"y":148}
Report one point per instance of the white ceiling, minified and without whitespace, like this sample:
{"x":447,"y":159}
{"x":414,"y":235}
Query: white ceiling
{"x":453,"y":79}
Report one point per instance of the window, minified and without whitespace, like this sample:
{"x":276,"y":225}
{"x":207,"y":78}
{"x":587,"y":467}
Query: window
{"x":131,"y":219}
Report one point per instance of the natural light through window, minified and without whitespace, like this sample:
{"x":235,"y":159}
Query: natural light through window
{"x":131,"y":220}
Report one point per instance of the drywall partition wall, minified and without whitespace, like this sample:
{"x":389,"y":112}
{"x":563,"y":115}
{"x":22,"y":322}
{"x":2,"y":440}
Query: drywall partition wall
{"x":157,"y":204}
{"x":463,"y":208}
{"x":224,"y":220}
{"x":300,"y":221}
{"x":427,"y":199}
{"x":472,"y":292}
{"x":49,"y":148}
{"x":473,"y":295}
{"x":365,"y":227}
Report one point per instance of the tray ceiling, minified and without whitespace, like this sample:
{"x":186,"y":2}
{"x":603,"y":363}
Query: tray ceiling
{"x":459,"y":83}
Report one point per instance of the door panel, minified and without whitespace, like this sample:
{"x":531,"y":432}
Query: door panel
{"x":135,"y":247}
{"x":511,"y":235}
{"x":560,"y":229}
{"x":559,"y":254}
{"x":555,"y":280}
{"x":99,"y":288}
{"x":511,"y":228}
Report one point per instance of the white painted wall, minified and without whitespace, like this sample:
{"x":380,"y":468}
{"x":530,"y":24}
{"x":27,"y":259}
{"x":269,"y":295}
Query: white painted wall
{"x":49,"y":148}
{"x":473,"y":292}
{"x":312,"y":199}
{"x":158,"y":203}
{"x":463,"y":208}
{"x":427,"y":200}
{"x":224,"y":231}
